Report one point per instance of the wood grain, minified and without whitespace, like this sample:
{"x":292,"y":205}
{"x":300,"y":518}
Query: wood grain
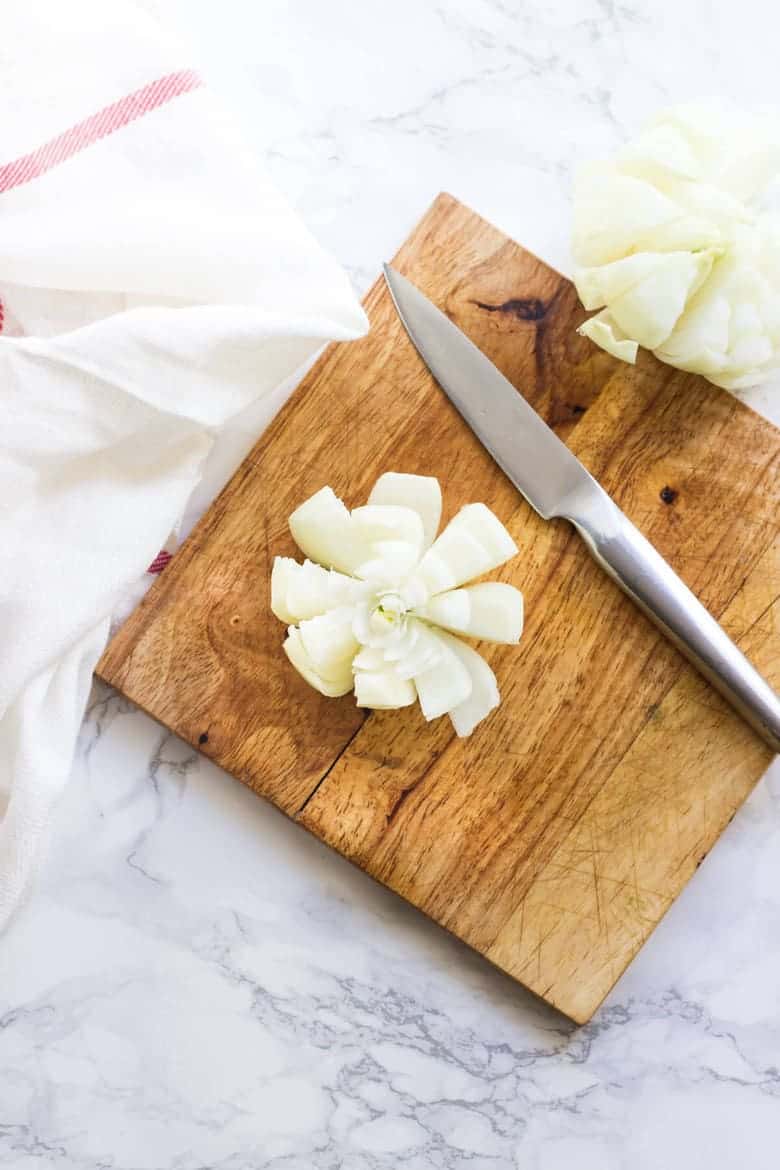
{"x":553,"y":839}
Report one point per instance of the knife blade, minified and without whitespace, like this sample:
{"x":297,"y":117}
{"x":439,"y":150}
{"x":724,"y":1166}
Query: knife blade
{"x":557,"y":486}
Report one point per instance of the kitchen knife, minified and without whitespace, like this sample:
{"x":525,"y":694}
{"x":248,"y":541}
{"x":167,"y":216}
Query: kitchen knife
{"x":557,"y":486}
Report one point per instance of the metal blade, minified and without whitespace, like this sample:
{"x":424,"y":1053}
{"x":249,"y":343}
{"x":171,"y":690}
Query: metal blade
{"x":528,"y":452}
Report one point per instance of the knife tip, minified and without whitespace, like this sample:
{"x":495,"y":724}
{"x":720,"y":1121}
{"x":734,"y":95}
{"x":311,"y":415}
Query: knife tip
{"x":394,"y":281}
{"x":391,"y":281}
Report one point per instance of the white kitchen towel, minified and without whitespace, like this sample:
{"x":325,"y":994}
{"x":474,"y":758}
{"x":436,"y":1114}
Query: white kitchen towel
{"x":153,"y":285}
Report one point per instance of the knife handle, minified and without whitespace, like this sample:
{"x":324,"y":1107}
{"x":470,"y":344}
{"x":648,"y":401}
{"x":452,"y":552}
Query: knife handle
{"x":641,"y":572}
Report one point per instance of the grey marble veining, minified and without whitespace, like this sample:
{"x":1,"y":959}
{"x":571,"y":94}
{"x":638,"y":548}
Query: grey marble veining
{"x":199,"y":983}
{"x":196,"y":983}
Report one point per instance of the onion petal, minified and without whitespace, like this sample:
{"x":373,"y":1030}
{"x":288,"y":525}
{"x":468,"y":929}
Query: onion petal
{"x":646,"y":293}
{"x":369,"y":658}
{"x":329,"y":642}
{"x":322,"y":528}
{"x":617,"y":214}
{"x":420,"y":492}
{"x":605,"y":333}
{"x":378,"y":523}
{"x":474,"y":542}
{"x":400,"y":649}
{"x":383,"y":690}
{"x":281,"y":574}
{"x":392,"y":561}
{"x":483,"y":696}
{"x":296,"y":652}
{"x":446,"y":684}
{"x":491,"y":611}
{"x":307,"y":590}
{"x":423,"y":654}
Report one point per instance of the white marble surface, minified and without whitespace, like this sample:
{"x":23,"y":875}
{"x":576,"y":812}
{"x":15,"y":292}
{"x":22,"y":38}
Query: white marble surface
{"x":196,"y":983}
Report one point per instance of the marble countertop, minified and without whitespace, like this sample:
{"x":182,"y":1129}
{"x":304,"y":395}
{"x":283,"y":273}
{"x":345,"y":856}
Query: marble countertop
{"x":198,"y":984}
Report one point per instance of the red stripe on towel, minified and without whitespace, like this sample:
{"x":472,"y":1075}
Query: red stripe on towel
{"x":96,"y":126}
{"x":160,"y":561}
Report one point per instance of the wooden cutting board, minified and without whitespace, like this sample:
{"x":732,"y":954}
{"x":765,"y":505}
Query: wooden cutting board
{"x":554,"y":839}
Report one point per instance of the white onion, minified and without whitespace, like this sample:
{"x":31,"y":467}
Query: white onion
{"x":329,"y":641}
{"x":421,"y":493}
{"x":383,"y":690}
{"x":332,"y":687}
{"x":281,"y":574}
{"x":370,"y":615}
{"x":322,"y":529}
{"x":378,"y":524}
{"x":646,"y":293}
{"x":483,"y":696}
{"x":474,"y":542}
{"x":422,"y":656}
{"x":307,"y":590}
{"x":444,"y":685}
{"x":673,"y":254}
{"x":391,"y":562}
{"x":491,"y":611}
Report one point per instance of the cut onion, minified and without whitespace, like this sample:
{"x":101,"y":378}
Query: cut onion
{"x":281,"y":574}
{"x":673,"y":253}
{"x":492,"y":611}
{"x":369,"y":658}
{"x":379,"y":523}
{"x":604,"y":331}
{"x":731,"y":329}
{"x":307,"y":590}
{"x":419,"y":492}
{"x":646,"y":293}
{"x":316,"y":590}
{"x":474,"y":542}
{"x":400,"y":648}
{"x":483,"y":695}
{"x":422,"y":655}
{"x":486,"y":526}
{"x":661,"y":152}
{"x":737,"y":153}
{"x":383,"y":690}
{"x":340,"y":684}
{"x":370,"y":608}
{"x":616,"y":214}
{"x":310,"y":590}
{"x":329,"y":642}
{"x":391,"y":562}
{"x":322,"y":528}
{"x":445,"y":685}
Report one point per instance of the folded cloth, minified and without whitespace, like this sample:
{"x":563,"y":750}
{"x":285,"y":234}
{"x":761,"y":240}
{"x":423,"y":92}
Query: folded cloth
{"x":153,"y":285}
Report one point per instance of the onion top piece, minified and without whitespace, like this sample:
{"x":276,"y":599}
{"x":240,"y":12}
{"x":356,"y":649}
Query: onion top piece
{"x":672,"y":251}
{"x":376,"y":606}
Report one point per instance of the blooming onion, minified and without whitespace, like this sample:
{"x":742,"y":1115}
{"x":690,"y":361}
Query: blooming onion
{"x":377,"y":603}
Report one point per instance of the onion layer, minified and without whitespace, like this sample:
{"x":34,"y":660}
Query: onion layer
{"x":672,"y":252}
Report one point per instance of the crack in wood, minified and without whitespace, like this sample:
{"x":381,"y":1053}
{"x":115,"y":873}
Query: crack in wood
{"x":329,"y":769}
